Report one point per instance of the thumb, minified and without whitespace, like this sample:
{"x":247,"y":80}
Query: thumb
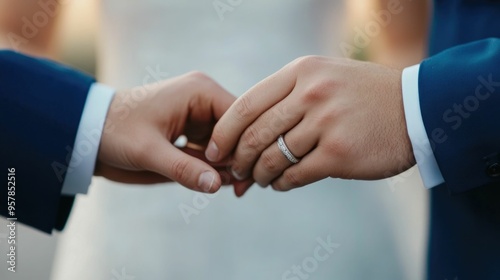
{"x":187,"y":170}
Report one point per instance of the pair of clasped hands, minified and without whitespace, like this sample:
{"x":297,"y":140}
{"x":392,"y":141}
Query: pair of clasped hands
{"x":339,"y":118}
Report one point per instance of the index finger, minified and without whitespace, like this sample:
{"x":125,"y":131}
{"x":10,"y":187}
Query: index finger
{"x":246,"y":109}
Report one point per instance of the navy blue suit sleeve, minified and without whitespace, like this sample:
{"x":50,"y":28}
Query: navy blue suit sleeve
{"x":459,"y":93}
{"x":41,"y":103}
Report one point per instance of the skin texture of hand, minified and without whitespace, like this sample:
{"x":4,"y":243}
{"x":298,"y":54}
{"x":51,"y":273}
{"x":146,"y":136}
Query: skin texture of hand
{"x":342,"y":118}
{"x":142,"y":123}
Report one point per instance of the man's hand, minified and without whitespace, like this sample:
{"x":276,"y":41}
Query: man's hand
{"x":142,"y":124}
{"x":343,"y":118}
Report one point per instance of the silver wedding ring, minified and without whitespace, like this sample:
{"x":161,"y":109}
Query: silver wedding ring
{"x":286,"y":152}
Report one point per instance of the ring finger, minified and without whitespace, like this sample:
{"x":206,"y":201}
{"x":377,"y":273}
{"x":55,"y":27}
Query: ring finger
{"x":262,"y":133}
{"x":300,"y":140}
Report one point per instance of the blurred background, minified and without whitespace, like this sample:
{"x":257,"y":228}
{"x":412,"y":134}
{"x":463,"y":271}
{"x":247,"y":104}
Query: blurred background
{"x":123,"y":232}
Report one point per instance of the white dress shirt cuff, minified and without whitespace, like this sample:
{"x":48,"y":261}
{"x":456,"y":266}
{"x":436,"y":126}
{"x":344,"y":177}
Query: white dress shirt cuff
{"x":426,"y":162}
{"x":83,"y":158}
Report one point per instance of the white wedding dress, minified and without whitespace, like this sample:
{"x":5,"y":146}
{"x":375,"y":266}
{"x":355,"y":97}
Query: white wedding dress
{"x":135,"y":232}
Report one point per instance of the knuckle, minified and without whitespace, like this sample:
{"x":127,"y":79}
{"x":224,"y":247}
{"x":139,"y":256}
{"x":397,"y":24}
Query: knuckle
{"x":179,"y":168}
{"x":292,"y":178}
{"x":243,"y":108}
{"x":250,"y":138}
{"x":307,"y":62}
{"x":268,"y":161}
{"x":198,"y":75}
{"x":319,"y":91}
{"x":200,"y":78}
{"x":339,"y":149}
{"x":219,"y":135}
{"x":244,"y":155}
{"x":277,"y":186}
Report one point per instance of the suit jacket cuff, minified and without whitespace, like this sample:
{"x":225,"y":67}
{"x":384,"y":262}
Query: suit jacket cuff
{"x":459,"y":97}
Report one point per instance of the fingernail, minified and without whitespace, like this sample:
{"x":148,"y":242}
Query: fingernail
{"x":237,"y":175}
{"x":206,"y":181}
{"x":212,"y":152}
